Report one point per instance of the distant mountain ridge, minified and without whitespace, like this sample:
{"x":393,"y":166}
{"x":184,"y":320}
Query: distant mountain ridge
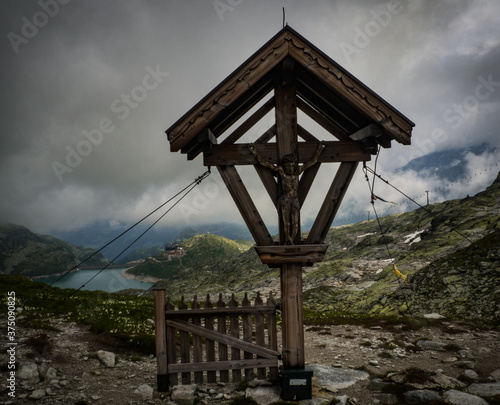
{"x":448,"y":164}
{"x":27,"y":253}
{"x":100,"y":233}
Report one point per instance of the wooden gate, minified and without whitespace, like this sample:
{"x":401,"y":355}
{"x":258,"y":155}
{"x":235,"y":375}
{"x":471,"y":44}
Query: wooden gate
{"x":208,"y":341}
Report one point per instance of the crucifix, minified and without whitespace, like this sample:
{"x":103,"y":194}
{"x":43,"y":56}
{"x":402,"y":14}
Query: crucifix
{"x":288,"y":203}
{"x":287,"y":156}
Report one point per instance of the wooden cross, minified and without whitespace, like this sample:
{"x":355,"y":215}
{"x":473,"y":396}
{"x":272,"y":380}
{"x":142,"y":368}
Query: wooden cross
{"x":299,"y":76}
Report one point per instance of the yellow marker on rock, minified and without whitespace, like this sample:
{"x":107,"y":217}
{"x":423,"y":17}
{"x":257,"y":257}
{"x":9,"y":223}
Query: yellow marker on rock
{"x":398,"y":273}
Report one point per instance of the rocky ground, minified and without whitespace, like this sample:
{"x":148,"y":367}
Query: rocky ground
{"x":453,"y":363}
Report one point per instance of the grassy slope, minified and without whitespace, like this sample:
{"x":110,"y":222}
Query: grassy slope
{"x":201,"y":251}
{"x":24,"y":252}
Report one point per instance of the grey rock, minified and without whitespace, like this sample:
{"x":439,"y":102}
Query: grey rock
{"x":444,"y":381}
{"x":29,"y":371}
{"x":378,"y":385}
{"x":341,"y":400}
{"x":495,"y":375}
{"x":145,"y":391}
{"x":470,"y":374}
{"x":315,"y":401}
{"x":37,"y":394}
{"x":183,"y":394}
{"x":106,"y":358}
{"x":433,"y":315}
{"x":461,"y":398}
{"x":332,"y":378}
{"x":421,"y":396}
{"x":485,"y":390}
{"x":386,"y":399}
{"x":431,"y":345}
{"x":50,"y":374}
{"x":263,"y":395}
{"x":466,"y":354}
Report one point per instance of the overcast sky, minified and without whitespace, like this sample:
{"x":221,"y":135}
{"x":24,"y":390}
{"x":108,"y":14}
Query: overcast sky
{"x":89,"y":87}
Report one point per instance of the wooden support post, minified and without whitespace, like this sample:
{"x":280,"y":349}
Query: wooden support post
{"x":160,"y":341}
{"x":292,"y":319}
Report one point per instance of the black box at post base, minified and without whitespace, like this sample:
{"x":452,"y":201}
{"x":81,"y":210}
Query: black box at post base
{"x":296,"y":384}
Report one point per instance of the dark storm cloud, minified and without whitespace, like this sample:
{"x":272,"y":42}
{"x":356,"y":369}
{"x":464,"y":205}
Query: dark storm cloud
{"x":127,"y":70}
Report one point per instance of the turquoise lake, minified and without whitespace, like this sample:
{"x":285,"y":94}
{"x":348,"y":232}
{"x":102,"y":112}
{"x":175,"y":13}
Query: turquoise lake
{"x":109,"y":280}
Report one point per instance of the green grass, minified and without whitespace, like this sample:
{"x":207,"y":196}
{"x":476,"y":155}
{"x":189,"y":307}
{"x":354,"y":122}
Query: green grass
{"x":121,"y":316}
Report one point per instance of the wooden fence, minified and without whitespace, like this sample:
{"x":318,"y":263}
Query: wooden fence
{"x":210,"y":340}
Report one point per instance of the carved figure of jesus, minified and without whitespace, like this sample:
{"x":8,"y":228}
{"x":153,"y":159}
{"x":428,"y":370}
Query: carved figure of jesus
{"x":288,"y":204}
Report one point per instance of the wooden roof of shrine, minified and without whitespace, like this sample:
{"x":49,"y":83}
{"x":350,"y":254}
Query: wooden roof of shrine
{"x":325,"y":91}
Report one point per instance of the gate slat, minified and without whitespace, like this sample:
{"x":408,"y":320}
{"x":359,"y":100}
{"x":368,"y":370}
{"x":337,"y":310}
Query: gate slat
{"x":209,"y":324}
{"x":197,"y":349}
{"x":185,"y":357}
{"x":247,"y":335}
{"x":221,"y":327}
{"x":259,"y":333}
{"x":171,"y":346}
{"x":272,"y":335}
{"x":235,"y":332}
{"x":224,"y":365}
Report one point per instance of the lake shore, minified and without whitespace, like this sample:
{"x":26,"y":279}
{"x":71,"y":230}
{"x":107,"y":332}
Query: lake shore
{"x":146,"y":279}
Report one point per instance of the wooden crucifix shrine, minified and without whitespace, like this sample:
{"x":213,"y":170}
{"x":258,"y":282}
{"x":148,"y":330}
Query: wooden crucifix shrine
{"x":294,"y":75}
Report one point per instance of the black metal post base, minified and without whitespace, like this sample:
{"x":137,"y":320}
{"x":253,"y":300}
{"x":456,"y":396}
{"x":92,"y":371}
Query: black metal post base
{"x":162,"y":382}
{"x":296,"y":384}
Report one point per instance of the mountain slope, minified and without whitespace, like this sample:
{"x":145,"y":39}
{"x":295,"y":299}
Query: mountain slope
{"x":24,"y":252}
{"x":357,"y":273}
{"x":195,"y":253}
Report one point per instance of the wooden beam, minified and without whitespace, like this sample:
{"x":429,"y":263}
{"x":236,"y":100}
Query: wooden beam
{"x":245,"y":205}
{"x":226,"y":93}
{"x":222,"y":365}
{"x":370,"y":131}
{"x":306,"y":181}
{"x":267,"y":177}
{"x":352,"y":90}
{"x":238,"y":154}
{"x":202,"y":143}
{"x":332,"y":202}
{"x":325,"y":122}
{"x":331,"y":109}
{"x":250,"y":122}
{"x":226,"y":339}
{"x":305,"y":134}
{"x":299,"y":254}
{"x":268,"y":135}
{"x":292,"y":317}
{"x":227,"y":311}
{"x":161,"y":341}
